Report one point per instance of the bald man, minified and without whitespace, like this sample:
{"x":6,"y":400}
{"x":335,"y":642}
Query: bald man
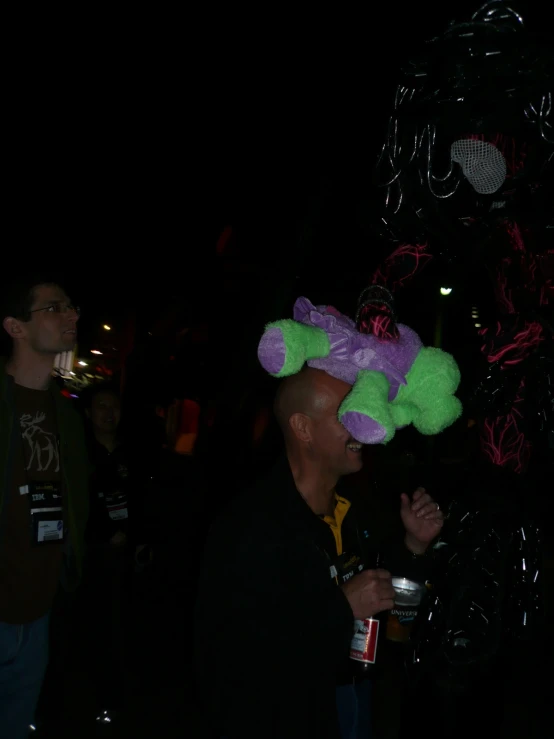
{"x":287,"y":570}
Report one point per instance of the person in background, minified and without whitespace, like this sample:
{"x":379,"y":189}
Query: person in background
{"x":43,"y":490}
{"x":116,"y":543}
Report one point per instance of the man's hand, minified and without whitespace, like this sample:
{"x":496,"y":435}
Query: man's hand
{"x":369,"y":593}
{"x":422,"y":519}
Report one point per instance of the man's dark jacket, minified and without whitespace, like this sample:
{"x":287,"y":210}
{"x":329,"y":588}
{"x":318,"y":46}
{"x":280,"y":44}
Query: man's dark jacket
{"x":273,"y":629}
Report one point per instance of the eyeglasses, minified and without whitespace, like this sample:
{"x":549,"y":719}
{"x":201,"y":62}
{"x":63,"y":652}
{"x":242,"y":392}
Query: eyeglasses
{"x":58,"y":307}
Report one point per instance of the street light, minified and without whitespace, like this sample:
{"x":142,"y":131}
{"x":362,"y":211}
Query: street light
{"x":107,"y":328}
{"x":446,"y":290}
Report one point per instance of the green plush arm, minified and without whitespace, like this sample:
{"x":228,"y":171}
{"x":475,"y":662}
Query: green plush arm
{"x":286,"y":345}
{"x":366,"y":411}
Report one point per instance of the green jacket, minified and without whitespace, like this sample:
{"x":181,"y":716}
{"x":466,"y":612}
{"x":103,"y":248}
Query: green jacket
{"x":74,"y":468}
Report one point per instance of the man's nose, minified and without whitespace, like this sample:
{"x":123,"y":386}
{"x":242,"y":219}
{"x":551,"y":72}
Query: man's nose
{"x":73,"y":315}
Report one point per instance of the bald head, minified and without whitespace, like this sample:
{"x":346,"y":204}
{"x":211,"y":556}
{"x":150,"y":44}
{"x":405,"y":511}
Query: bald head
{"x":311,"y":392}
{"x":300,"y":393}
{"x":306,"y":407}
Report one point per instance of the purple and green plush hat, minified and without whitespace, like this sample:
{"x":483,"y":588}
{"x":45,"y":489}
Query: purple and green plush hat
{"x":395,"y":382}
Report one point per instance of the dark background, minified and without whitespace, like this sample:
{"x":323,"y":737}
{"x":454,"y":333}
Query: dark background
{"x":138,"y":138}
{"x":143,"y":144}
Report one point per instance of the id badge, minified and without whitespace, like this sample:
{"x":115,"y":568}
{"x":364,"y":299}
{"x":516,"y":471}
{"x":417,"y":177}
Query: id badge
{"x":346,"y":566}
{"x":116,"y":504}
{"x":46,"y":507}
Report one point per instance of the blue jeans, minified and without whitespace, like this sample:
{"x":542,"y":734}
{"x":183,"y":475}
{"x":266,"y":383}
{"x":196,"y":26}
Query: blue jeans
{"x":353,"y":710}
{"x":23,"y":660}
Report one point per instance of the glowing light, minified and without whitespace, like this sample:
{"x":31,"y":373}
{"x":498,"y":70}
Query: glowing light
{"x":446,"y":290}
{"x":83,"y":364}
{"x":95,"y":351}
{"x":107,"y":328}
{"x":477,"y":325}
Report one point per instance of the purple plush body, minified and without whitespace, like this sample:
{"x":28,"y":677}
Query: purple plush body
{"x":352,"y":351}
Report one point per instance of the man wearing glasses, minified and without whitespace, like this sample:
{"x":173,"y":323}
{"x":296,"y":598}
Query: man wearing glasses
{"x":43,"y":491}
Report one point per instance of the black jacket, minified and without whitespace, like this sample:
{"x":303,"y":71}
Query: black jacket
{"x":273,"y":629}
{"x":117,"y":477}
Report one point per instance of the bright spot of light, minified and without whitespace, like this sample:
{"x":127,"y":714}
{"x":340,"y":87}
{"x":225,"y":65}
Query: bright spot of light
{"x":83,"y":364}
{"x":107,"y":328}
{"x":95,"y":351}
{"x":446,"y":290}
{"x":477,"y":325}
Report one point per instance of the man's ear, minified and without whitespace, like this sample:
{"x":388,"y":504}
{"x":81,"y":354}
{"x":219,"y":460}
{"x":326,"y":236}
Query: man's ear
{"x":300,"y":425}
{"x":13,"y":327}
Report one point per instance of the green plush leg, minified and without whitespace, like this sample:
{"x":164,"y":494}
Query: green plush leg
{"x":403,"y":414}
{"x":366,"y":411}
{"x":301,"y":344}
{"x":428,"y":399}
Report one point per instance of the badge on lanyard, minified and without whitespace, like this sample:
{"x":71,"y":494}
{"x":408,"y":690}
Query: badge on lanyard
{"x":116,"y":503}
{"x":346,"y":566}
{"x":46,"y":508}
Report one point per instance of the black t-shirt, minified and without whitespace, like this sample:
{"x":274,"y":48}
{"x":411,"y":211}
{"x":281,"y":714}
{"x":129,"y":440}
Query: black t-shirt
{"x":29,"y":571}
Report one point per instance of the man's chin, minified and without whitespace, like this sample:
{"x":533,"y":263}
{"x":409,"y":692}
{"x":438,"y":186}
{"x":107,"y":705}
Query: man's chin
{"x":355,"y":463}
{"x":68,"y":344}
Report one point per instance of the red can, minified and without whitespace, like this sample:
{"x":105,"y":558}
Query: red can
{"x":364,"y":642}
